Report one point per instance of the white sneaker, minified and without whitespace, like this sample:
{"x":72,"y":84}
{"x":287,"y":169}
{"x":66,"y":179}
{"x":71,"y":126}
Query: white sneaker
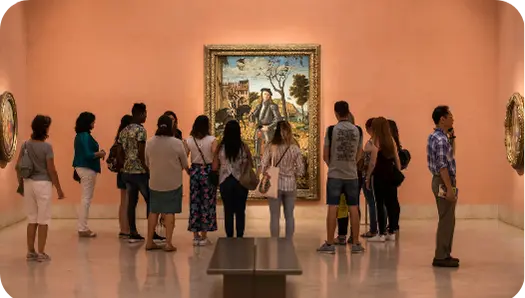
{"x":377,"y":238}
{"x":204,"y":242}
{"x":196,"y":241}
{"x":391,"y":237}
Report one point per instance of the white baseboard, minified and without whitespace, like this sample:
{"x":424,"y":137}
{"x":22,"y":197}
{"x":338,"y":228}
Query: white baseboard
{"x":12,"y":215}
{"x":511,"y":216}
{"x":408,"y":212}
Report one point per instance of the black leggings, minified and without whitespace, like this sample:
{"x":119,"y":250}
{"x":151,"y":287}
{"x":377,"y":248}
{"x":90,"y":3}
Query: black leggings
{"x":386,"y":195}
{"x":234,"y":197}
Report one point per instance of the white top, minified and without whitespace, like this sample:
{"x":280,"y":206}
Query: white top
{"x":205,"y":146}
{"x":165,"y":158}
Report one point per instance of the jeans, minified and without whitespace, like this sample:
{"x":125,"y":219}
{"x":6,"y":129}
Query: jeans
{"x":287,"y":199}
{"x":136,"y":183}
{"x":234,"y":197}
{"x":342,"y":223}
{"x":88,"y":179}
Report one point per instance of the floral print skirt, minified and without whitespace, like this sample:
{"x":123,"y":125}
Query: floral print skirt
{"x":203,"y":200}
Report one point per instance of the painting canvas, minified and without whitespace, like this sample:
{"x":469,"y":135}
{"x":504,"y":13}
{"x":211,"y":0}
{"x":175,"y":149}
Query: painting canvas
{"x":261,"y":85}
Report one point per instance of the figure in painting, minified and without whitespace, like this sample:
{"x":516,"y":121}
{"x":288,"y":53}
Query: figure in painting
{"x":266,"y":115}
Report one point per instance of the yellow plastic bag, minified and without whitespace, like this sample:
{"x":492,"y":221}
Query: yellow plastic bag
{"x":342,"y":210}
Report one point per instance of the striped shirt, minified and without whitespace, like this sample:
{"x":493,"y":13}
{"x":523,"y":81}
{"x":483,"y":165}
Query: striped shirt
{"x":440,"y":154}
{"x":291,"y":165}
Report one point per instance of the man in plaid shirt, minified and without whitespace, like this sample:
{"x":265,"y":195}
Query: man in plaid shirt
{"x":442,"y":165}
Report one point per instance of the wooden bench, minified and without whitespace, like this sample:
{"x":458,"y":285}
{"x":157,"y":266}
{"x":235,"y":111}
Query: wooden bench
{"x":234,"y":259}
{"x":275,"y":258}
{"x":254,"y":267}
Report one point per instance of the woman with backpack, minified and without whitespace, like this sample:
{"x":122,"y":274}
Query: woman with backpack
{"x":404,"y":159}
{"x":36,"y":169}
{"x":86,"y":163}
{"x":113,"y":165}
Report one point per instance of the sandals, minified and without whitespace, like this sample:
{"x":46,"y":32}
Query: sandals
{"x":368,"y":234}
{"x":170,"y":248}
{"x":87,"y":234}
{"x":154,"y":247}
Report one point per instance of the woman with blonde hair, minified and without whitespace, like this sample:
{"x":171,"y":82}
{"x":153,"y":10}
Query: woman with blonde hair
{"x":285,"y":154}
{"x":384,"y":161}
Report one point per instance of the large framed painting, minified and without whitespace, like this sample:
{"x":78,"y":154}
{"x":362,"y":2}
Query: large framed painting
{"x":9,"y":126}
{"x":514,"y":139}
{"x":259,"y":85}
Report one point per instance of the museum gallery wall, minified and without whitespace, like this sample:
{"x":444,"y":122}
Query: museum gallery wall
{"x":13,"y":52}
{"x":400,"y":67}
{"x":510,"y":89}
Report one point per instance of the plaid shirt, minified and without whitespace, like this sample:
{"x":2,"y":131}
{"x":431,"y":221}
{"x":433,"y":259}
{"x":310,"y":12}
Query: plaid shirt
{"x":440,"y":154}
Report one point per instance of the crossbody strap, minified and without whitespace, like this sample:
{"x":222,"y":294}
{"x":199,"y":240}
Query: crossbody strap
{"x":282,"y":156}
{"x":198,"y":148}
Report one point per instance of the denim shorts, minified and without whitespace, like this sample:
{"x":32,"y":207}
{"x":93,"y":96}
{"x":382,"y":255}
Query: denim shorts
{"x":336,"y":187}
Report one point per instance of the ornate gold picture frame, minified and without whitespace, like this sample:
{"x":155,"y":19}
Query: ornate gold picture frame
{"x":514,"y":140}
{"x":9,"y":127}
{"x":240,"y":77}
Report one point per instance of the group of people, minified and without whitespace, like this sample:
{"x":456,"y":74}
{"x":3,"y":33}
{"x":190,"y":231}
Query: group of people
{"x":376,"y":168}
{"x":153,"y":167}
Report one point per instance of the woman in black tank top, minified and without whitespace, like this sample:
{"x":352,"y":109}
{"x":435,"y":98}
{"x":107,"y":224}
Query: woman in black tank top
{"x":383,"y":159}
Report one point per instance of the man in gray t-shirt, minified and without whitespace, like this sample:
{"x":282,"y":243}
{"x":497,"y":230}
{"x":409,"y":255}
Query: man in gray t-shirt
{"x":342,"y":149}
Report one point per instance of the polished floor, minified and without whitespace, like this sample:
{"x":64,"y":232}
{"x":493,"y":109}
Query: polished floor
{"x":491,"y":264}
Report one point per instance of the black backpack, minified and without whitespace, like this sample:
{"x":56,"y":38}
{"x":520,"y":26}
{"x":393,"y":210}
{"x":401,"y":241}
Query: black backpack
{"x":404,"y":158}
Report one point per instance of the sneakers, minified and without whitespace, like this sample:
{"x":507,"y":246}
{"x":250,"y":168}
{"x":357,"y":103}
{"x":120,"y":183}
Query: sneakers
{"x":43,"y":257}
{"x":448,"y":262}
{"x":204,"y":242}
{"x":196,"y":241}
{"x":157,"y":237}
{"x":357,"y":248}
{"x":340,"y":240}
{"x":326,"y":248}
{"x":123,"y":236}
{"x":134,"y":238}
{"x":377,"y":238}
{"x":390,"y":237}
{"x":31,"y":256}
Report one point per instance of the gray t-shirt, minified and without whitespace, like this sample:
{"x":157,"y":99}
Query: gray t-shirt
{"x":343,"y":152}
{"x":39,"y":152}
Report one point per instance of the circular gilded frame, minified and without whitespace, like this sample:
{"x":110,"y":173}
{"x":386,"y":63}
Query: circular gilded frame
{"x":514,"y":140}
{"x":8,"y":126}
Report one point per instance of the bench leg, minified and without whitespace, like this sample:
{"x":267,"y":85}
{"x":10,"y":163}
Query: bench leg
{"x":237,"y":286}
{"x":273,"y":286}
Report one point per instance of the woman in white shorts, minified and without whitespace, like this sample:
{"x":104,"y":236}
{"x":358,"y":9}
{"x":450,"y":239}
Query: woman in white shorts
{"x":38,"y":187}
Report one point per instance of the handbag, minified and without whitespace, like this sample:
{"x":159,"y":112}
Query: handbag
{"x":248,"y":179}
{"x":269,"y":185}
{"x":213,"y":176}
{"x":76,"y":177}
{"x":398,"y":177}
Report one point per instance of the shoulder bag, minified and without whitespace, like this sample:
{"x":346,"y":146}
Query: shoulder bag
{"x":269,"y":185}
{"x":248,"y":177}
{"x":213,"y":176}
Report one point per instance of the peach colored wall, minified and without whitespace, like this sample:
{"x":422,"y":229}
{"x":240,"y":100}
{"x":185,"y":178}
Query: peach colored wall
{"x":13,"y":79}
{"x":394,"y":58}
{"x":510,"y":61}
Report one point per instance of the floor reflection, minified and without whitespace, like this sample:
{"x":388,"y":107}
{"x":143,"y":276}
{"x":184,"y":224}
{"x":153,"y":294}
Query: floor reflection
{"x":109,"y":267}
